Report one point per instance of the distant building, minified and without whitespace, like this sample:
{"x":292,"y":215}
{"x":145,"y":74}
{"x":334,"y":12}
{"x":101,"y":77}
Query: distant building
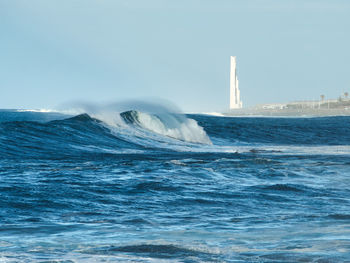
{"x":304,"y":105}
{"x":273,"y":106}
{"x":235,"y":97}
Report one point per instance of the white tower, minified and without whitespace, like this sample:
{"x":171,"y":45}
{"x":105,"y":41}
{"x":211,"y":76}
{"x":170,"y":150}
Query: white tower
{"x":235,"y":98}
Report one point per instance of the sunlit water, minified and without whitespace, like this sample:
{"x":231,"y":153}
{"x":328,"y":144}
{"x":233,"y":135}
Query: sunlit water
{"x":217,"y":190}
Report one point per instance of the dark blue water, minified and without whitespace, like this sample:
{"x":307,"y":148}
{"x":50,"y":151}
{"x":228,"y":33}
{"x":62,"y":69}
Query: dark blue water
{"x":160,"y":188}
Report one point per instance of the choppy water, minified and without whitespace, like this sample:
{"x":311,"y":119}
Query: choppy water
{"x":139,"y":187}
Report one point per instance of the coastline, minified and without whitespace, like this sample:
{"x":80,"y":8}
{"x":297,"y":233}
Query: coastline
{"x":252,"y":112}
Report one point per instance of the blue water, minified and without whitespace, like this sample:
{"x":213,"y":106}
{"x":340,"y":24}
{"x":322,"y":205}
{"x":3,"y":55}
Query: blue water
{"x":140,"y":187}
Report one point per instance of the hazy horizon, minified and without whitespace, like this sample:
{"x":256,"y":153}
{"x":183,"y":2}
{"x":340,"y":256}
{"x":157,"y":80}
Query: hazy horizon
{"x":104,"y":51}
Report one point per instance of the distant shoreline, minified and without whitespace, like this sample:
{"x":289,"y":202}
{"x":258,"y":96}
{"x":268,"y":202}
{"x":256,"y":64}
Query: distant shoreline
{"x":287,"y":112}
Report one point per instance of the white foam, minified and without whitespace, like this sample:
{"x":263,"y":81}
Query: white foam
{"x":186,"y":130}
{"x":218,"y":114}
{"x":36,"y":110}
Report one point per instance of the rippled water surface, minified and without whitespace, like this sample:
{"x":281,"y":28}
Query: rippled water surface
{"x":166,"y":188}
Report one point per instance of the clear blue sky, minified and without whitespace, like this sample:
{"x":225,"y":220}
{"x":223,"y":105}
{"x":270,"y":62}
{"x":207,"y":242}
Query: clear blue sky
{"x":58,"y":51}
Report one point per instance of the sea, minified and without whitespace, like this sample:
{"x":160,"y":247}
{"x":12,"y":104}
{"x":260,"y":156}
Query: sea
{"x":158,"y":186}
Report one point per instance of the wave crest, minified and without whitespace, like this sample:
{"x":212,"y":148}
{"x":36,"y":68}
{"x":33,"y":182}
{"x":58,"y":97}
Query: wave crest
{"x":171,"y":125}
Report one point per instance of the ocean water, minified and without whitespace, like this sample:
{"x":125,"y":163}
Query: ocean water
{"x":162,"y":187}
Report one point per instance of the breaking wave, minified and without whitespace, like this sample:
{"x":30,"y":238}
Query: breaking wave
{"x":104,"y":130}
{"x":170,"y":125}
{"x":148,"y":120}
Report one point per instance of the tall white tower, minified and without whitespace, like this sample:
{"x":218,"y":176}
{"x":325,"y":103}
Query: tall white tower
{"x":235,"y":97}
